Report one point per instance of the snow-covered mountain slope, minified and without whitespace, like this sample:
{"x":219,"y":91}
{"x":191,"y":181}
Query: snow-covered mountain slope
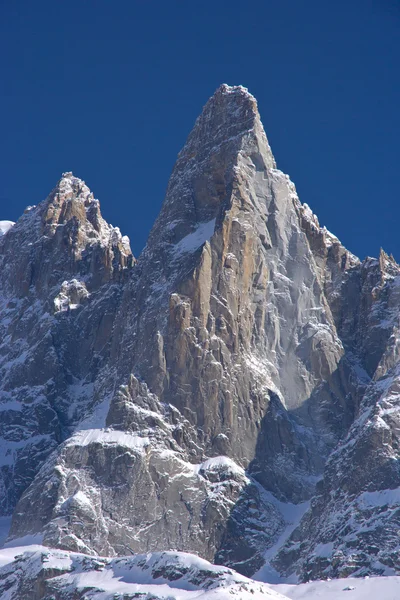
{"x":219,"y":396}
{"x":40,"y":573}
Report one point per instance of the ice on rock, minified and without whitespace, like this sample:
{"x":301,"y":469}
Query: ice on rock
{"x":197,"y":238}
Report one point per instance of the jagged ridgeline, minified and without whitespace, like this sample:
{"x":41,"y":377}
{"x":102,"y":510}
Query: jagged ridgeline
{"x":232,"y":393}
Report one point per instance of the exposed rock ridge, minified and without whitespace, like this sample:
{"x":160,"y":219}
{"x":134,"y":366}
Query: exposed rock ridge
{"x":63,"y":236}
{"x":61,"y":271}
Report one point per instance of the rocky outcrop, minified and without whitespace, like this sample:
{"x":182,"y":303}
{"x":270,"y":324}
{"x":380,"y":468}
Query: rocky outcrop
{"x":109,"y":491}
{"x":62,"y":238}
{"x":61,"y":271}
{"x":194,"y":397}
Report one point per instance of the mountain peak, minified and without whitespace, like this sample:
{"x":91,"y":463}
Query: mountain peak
{"x":72,"y":188}
{"x":201,"y":183}
{"x":61,"y":238}
{"x":227,"y":116}
{"x":237,"y":91}
{"x":69,"y":178}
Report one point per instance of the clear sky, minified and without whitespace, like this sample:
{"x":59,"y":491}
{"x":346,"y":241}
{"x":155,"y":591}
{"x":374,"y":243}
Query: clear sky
{"x":110,"y":90}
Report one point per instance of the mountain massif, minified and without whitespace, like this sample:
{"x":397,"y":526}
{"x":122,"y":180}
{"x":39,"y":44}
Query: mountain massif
{"x":232,"y":393}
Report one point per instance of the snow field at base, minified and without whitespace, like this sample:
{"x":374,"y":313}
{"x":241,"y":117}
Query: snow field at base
{"x":191,"y":578}
{"x":158,"y":575}
{"x":7,"y":555}
{"x":369,"y":588}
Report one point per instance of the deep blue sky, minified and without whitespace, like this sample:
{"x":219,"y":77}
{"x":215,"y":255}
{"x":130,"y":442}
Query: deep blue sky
{"x":110,"y":90}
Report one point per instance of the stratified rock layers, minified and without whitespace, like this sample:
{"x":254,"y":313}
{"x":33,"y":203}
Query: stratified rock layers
{"x":189,"y":397}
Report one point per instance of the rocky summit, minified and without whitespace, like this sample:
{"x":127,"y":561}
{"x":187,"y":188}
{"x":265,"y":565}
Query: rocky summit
{"x":232,"y":393}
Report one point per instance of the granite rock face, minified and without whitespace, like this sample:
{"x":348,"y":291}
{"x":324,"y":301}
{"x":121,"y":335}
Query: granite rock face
{"x":61,"y":273}
{"x":199,"y":398}
{"x":229,"y":297}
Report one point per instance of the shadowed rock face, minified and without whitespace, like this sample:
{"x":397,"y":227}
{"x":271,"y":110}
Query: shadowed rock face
{"x":353,"y":524}
{"x":208,"y":382}
{"x":229,"y":302}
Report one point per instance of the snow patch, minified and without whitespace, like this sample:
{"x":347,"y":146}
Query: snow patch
{"x":324,"y":550}
{"x":157,"y":575}
{"x":5,"y":226}
{"x":197,"y":238}
{"x":24,"y":542}
{"x":220,"y":463}
{"x":369,"y":588}
{"x":108,"y":437}
{"x":379,"y":498}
